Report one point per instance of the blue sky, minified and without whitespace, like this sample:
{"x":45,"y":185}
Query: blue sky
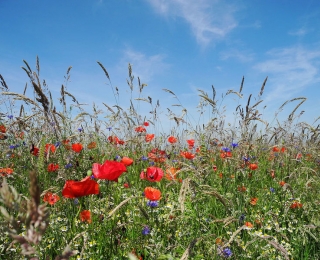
{"x":181,"y":45}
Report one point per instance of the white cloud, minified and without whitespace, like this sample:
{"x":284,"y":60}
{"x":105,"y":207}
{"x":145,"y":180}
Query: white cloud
{"x":299,"y":32}
{"x":210,"y":20}
{"x":290,"y":71}
{"x":242,"y":56}
{"x":146,"y":67}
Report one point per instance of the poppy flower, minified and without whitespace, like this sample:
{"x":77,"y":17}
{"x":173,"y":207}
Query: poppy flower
{"x":225,"y":154}
{"x":77,"y":147}
{"x":6,"y":171}
{"x":53,"y":167}
{"x":85,"y":216}
{"x":282,"y":183}
{"x":295,"y":205}
{"x":146,"y":123}
{"x":214,"y":167}
{"x":152,"y":193}
{"x":92,"y":145}
{"x":140,"y":129}
{"x":126,"y":161}
{"x":171,"y":173}
{"x":20,"y":135}
{"x":34,"y":150}
{"x":157,"y":155}
{"x":3,"y":129}
{"x":253,"y":166}
{"x":74,"y":189}
{"x":248,"y":225}
{"x":126,"y":185}
{"x":190,"y":143}
{"x":172,"y":139}
{"x":276,"y":149}
{"x":272,"y":174}
{"x":109,"y":170}
{"x":149,"y":137}
{"x":152,"y":174}
{"x":242,"y":188}
{"x":66,"y":144}
{"x":253,"y":201}
{"x":187,"y":155}
{"x":50,"y":147}
{"x":51,"y":198}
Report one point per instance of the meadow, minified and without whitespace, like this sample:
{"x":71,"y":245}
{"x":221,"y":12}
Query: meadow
{"x":108,"y":184}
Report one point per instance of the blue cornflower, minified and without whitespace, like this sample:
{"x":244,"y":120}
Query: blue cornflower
{"x":144,"y":158}
{"x":152,"y":204}
{"x":10,"y":116}
{"x":67,"y":166}
{"x":241,"y":219}
{"x":226,"y":149}
{"x":75,"y":201}
{"x":246,"y":159}
{"x":92,"y":177}
{"x":146,"y":230}
{"x":118,"y":157}
{"x":57,"y":144}
{"x":272,"y":189}
{"x":227,"y":252}
{"x":151,"y":163}
{"x":80,"y":129}
{"x":109,"y":128}
{"x":234,"y":145}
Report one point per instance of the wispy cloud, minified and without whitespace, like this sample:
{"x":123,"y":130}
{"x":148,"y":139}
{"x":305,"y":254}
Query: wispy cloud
{"x":209,"y":20}
{"x":144,"y":66}
{"x":299,"y":32}
{"x":242,"y":56}
{"x":290,"y":70}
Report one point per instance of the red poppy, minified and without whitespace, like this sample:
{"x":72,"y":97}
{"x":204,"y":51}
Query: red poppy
{"x":187,"y":155}
{"x":110,"y":170}
{"x":3,"y":129}
{"x":248,"y":224}
{"x":171,"y":173}
{"x":77,"y":147}
{"x":157,"y":155}
{"x":283,"y":149}
{"x":66,"y":144}
{"x":51,"y":198}
{"x":190,"y":143}
{"x":85,"y":216}
{"x":295,"y":205}
{"x":253,"y":201}
{"x":214,"y":167}
{"x":146,"y":123}
{"x":126,"y":161}
{"x":276,"y":149}
{"x":253,"y":166}
{"x":172,"y":139}
{"x":242,"y":188}
{"x":126,"y":185}
{"x":20,"y":135}
{"x":6,"y":171}
{"x":149,"y":137}
{"x":282,"y":183}
{"x":34,"y":151}
{"x":92,"y":145}
{"x":121,"y":142}
{"x":50,"y":147}
{"x":74,"y":189}
{"x":53,"y":167}
{"x":152,"y":193}
{"x":152,"y":174}
{"x":140,"y":129}
{"x":225,"y":154}
{"x":113,"y":139}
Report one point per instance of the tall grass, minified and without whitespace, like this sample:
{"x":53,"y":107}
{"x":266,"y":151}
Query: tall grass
{"x":247,"y":190}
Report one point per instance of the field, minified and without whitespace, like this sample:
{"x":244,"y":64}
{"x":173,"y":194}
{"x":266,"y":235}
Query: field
{"x":108,"y":184}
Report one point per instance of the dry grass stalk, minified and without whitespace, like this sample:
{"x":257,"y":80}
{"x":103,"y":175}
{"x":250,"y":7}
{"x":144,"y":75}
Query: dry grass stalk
{"x":21,"y":97}
{"x":120,"y":205}
{"x":188,"y":251}
{"x":262,"y":87}
{"x":185,"y":188}
{"x":277,"y":246}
